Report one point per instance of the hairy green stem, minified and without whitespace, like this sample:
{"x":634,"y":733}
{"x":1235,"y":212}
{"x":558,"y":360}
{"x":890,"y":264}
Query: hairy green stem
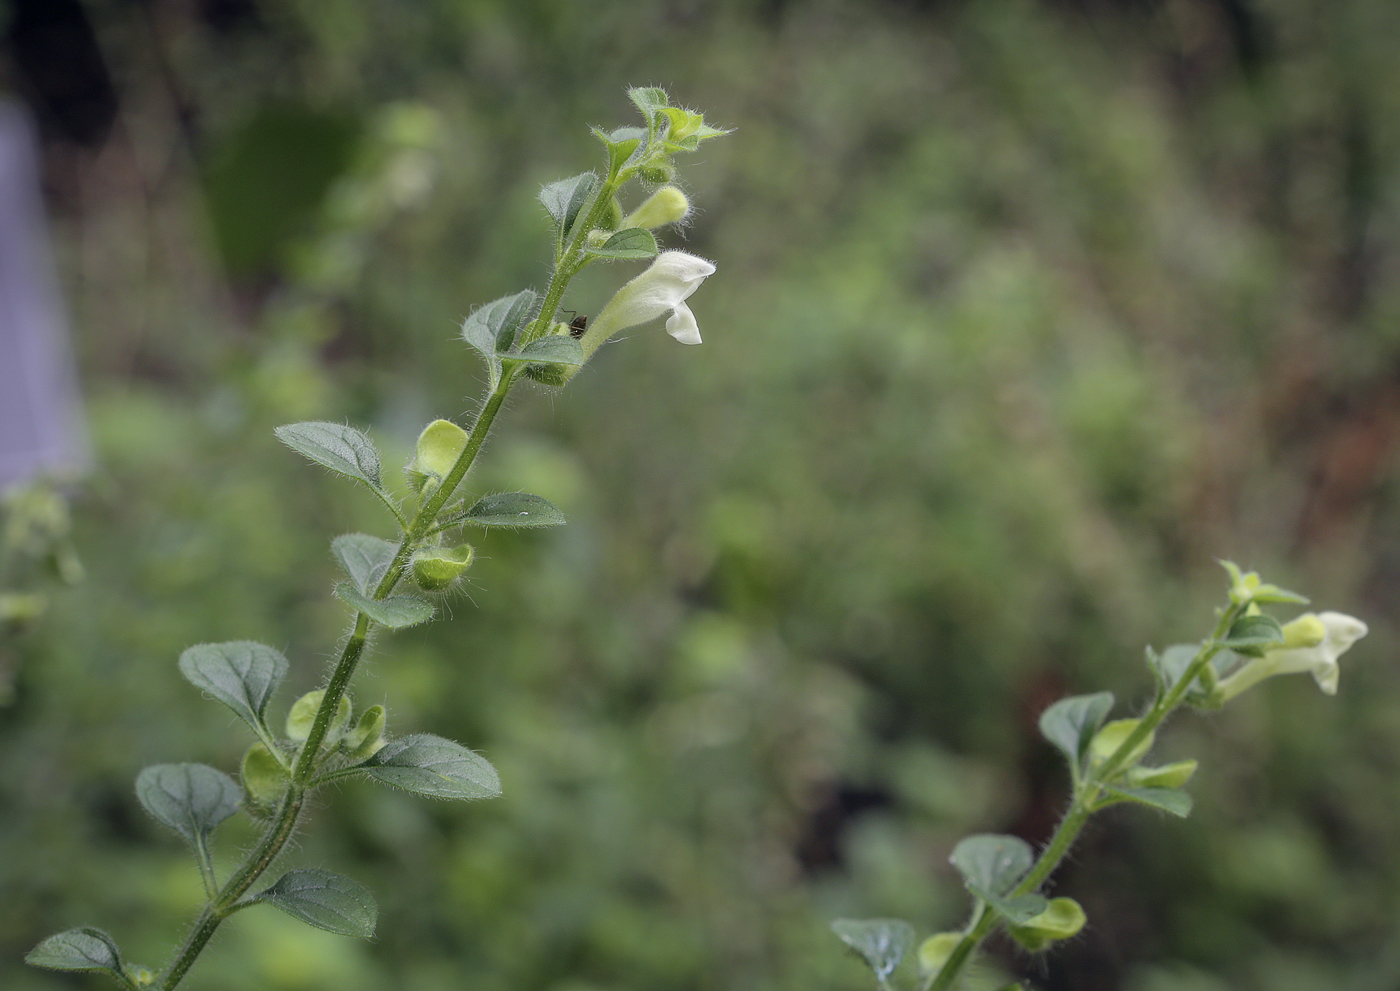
{"x":283,"y":826}
{"x":1081,"y":808}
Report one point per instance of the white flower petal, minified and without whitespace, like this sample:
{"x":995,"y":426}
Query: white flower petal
{"x":682,"y":326}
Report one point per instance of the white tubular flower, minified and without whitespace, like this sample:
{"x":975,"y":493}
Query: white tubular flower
{"x":1321,"y":640}
{"x":661,"y":289}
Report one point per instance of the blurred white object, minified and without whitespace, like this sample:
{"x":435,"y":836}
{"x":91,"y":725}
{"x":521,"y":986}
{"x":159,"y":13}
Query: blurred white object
{"x":41,"y":425}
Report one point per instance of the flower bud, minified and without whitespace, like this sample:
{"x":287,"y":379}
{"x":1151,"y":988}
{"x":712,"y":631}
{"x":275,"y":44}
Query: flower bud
{"x":658,"y":170}
{"x":303,"y":716}
{"x":667,"y":205}
{"x":935,"y":951}
{"x":367,"y":737}
{"x":1061,"y":919}
{"x":439,"y":446}
{"x":264,"y":778}
{"x":436,"y":568}
{"x":1167,"y":776}
{"x":1113,"y":735}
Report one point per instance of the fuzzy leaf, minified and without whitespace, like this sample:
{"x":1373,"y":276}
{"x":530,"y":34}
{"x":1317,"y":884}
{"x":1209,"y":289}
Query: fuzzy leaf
{"x":1172,"y":800}
{"x":1072,"y":722}
{"x":364,"y":558}
{"x":633,"y":243}
{"x":335,"y":446}
{"x":84,"y":949}
{"x":564,"y":199}
{"x":325,"y":900}
{"x":993,"y":863}
{"x":882,"y":942}
{"x":241,"y":674}
{"x":554,"y":350}
{"x":395,"y":612}
{"x":1253,"y":631}
{"x":513,"y":509}
{"x":189,"y":798}
{"x":430,"y":765}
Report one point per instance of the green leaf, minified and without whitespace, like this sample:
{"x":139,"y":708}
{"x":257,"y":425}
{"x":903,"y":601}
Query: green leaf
{"x":1018,"y":910}
{"x":882,"y":942}
{"x":553,"y":350}
{"x":1253,"y":631}
{"x":241,"y":674}
{"x":513,"y":509}
{"x":993,"y":863}
{"x":649,"y":100}
{"x":325,"y":900}
{"x":335,"y":446}
{"x":633,"y":243}
{"x":429,"y":765}
{"x":364,"y":558}
{"x":622,"y":145}
{"x":492,"y":328}
{"x":1170,"y":666}
{"x":564,"y":199}
{"x":1178,"y":803}
{"x":84,"y":949}
{"x":1072,"y":722}
{"x":189,"y":798}
{"x":395,"y":612}
{"x":1272,"y":593}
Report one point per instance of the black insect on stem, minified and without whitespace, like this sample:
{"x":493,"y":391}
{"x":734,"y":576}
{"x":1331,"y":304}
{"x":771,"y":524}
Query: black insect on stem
{"x":578,"y":324}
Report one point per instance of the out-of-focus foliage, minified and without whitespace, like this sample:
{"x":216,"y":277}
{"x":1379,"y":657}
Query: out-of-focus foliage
{"x":1024,"y":313}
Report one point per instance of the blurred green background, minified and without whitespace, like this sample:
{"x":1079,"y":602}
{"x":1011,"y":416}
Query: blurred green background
{"x":1026,"y":310}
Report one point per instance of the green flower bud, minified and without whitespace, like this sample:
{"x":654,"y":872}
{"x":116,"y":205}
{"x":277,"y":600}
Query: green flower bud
{"x":439,"y":446}
{"x":667,"y":205}
{"x":935,"y":951}
{"x":367,"y":737}
{"x":264,"y":778}
{"x":303,"y":715}
{"x":436,"y":568}
{"x":658,"y":170}
{"x":1061,"y":919}
{"x":142,"y":976}
{"x":553,"y":375}
{"x":1107,"y":741}
{"x":1167,"y":776}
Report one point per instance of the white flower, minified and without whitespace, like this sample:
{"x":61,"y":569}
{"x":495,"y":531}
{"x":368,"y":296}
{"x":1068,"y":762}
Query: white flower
{"x":1332,"y":634}
{"x":662,"y":289}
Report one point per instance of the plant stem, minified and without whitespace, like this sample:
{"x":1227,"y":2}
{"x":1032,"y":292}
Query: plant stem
{"x":284,"y":822}
{"x":1081,"y":807}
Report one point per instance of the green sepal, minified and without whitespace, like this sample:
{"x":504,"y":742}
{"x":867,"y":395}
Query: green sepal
{"x":1169,"y":776}
{"x":1178,"y":803}
{"x":882,"y":943}
{"x":631,"y":244}
{"x":302,"y":717}
{"x":364,"y":558}
{"x":342,"y":449}
{"x":935,"y":951}
{"x":264,"y":778}
{"x":1072,"y":722}
{"x":395,"y":612}
{"x":436,"y":568}
{"x":432,"y":766}
{"x":325,"y":900}
{"x":191,"y":799}
{"x":241,"y":674}
{"x":563,"y":200}
{"x":1062,"y":918}
{"x":367,"y":737}
{"x":83,"y":949}
{"x":992,"y":863}
{"x":1112,"y":736}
